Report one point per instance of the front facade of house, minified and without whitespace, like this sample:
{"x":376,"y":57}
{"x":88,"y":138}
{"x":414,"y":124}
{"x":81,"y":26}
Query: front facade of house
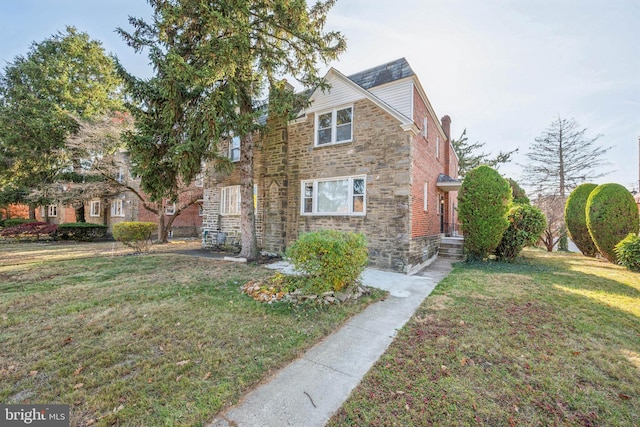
{"x":369,"y":155}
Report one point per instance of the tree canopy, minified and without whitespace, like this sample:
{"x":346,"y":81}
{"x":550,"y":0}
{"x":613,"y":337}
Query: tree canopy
{"x":215,"y":62}
{"x":44,"y":95}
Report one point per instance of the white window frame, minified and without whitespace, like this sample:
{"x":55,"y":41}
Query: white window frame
{"x":312,"y":184}
{"x":170,"y":209}
{"x":94,"y":208}
{"x":117,"y":208}
{"x":227,"y":207}
{"x":438,"y":147}
{"x":334,"y":126}
{"x":52,"y":210}
{"x":120,"y":175}
{"x":234,"y":145}
{"x":425,"y":127}
{"x":426,"y":196}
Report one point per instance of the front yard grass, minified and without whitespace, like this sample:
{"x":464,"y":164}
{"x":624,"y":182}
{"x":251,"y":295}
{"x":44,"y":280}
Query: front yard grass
{"x":553,"y":339}
{"x":159,"y":339}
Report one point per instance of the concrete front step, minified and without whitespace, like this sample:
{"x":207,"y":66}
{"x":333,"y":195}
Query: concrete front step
{"x":452,"y":248}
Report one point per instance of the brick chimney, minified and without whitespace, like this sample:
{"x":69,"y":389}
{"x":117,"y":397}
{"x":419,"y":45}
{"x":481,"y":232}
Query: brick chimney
{"x":446,"y":126}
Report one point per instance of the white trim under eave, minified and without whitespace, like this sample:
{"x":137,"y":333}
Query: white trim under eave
{"x":406,"y":123}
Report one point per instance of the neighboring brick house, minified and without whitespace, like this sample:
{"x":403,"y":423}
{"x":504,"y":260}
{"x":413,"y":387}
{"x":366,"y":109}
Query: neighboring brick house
{"x":124,"y":206}
{"x":369,"y":155}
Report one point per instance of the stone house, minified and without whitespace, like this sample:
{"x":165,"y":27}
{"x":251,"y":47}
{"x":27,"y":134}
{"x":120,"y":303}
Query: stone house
{"x":368,"y":155}
{"x":125,"y":206}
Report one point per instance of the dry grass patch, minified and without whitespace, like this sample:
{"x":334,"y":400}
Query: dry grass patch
{"x":159,"y":339}
{"x":513,"y":344}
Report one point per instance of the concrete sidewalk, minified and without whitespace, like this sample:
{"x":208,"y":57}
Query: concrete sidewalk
{"x":310,"y":390}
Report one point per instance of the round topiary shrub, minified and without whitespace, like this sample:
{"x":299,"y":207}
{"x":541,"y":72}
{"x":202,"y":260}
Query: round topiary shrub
{"x":526,"y":225}
{"x":576,"y":219}
{"x":628,"y":252}
{"x":136,"y":235}
{"x":612,"y":214}
{"x":483,"y":202}
{"x":333,"y":260}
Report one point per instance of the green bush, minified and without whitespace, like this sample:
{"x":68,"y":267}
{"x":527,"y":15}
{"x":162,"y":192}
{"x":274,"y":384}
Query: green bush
{"x":483,"y":202}
{"x":518,"y":193}
{"x":82,"y":231}
{"x":576,"y":219}
{"x":526,"y":225}
{"x":628,"y":252}
{"x":612,"y":214}
{"x":136,"y":235}
{"x":12,"y":222}
{"x":332,"y":260}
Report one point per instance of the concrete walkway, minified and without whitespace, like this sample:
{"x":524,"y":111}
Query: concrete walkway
{"x":311,"y":389}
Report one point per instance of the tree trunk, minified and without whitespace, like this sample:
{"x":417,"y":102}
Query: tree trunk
{"x":247,"y":212}
{"x":32,"y":211}
{"x":162,"y":229}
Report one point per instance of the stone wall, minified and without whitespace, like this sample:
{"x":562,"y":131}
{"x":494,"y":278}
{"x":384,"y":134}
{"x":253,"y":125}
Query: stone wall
{"x":380,"y":150}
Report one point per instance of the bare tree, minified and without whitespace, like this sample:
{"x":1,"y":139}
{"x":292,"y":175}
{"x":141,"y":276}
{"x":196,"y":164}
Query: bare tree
{"x":553,"y":209}
{"x":563,"y":157}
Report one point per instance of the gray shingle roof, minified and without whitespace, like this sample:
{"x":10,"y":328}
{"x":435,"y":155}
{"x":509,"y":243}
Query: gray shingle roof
{"x":385,"y":73}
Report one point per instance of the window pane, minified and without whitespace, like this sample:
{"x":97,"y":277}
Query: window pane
{"x":324,"y":121}
{"x":343,"y":133}
{"x":308,"y":190}
{"x":333,"y":196}
{"x":324,"y":136}
{"x":358,"y":204}
{"x":358,"y":186}
{"x":308,"y":205}
{"x":343,"y":116}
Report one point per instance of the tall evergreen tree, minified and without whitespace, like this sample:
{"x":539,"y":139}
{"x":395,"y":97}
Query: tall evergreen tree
{"x":470,"y":158}
{"x":214,"y":61}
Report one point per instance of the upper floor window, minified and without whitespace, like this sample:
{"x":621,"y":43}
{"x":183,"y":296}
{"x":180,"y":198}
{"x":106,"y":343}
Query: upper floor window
{"x":119,"y":175}
{"x":234,"y":149}
{"x":170,"y":208}
{"x":230,"y":200}
{"x":425,"y":127}
{"x":334,"y":126}
{"x":438,"y":147}
{"x":95,"y":208}
{"x":117,"y":208}
{"x":338,"y":196}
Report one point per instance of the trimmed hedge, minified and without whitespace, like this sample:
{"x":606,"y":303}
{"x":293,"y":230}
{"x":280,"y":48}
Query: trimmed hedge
{"x":332,"y":260}
{"x":82,"y":231}
{"x":576,"y":219}
{"x":136,"y":235}
{"x":12,"y":222}
{"x":628,"y":252}
{"x":483,"y":202}
{"x":612,"y":214}
{"x":30,"y":231}
{"x":526,"y":225}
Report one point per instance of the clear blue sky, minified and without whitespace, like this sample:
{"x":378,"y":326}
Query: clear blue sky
{"x":503,"y":69}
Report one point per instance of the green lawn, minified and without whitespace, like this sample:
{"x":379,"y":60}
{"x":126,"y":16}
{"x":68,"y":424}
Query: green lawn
{"x":159,"y":339}
{"x":553,"y":339}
